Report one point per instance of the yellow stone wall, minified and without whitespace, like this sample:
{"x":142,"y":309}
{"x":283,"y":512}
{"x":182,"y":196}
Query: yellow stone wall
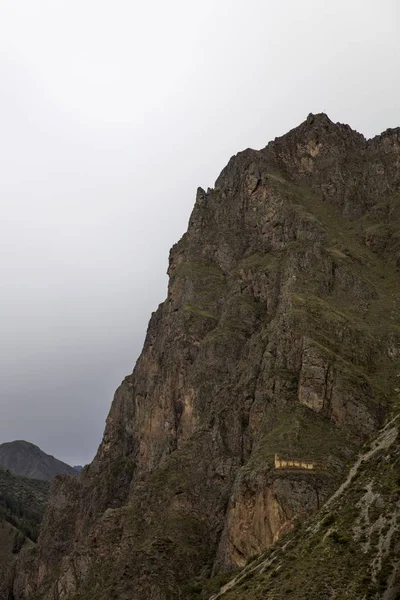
{"x":293,"y":463}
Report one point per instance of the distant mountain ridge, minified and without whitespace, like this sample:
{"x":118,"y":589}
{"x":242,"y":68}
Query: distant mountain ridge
{"x":26,"y":459}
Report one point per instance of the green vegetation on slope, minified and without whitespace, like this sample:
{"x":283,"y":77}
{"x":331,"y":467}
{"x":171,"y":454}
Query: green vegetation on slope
{"x":22,"y":502}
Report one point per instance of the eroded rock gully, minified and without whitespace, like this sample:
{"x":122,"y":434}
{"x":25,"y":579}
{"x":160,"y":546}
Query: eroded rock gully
{"x":279,"y":334}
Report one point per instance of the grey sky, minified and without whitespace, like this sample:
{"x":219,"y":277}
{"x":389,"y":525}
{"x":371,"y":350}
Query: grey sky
{"x":111,"y":114}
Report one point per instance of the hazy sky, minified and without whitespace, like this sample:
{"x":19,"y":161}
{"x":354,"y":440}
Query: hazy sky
{"x":111,"y":114}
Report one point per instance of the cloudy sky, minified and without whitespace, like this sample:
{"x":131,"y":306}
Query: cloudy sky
{"x":111,"y":114}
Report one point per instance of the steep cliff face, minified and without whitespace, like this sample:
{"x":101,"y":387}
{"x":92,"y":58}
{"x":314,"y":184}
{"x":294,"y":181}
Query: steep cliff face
{"x":279,"y":335}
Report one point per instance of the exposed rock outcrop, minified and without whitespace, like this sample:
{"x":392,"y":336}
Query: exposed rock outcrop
{"x":280,"y":334}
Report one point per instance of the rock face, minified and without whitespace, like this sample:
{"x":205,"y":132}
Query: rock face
{"x":28,"y":460}
{"x":279,"y":335}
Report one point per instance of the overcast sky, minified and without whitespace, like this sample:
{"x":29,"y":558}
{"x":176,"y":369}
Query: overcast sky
{"x":112,"y":112}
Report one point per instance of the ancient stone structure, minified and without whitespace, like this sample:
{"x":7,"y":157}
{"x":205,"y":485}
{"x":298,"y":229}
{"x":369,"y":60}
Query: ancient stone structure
{"x":293,"y":463}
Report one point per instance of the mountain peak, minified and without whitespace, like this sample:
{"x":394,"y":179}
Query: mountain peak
{"x":318,"y":118}
{"x":26,"y":459}
{"x":21,"y":444}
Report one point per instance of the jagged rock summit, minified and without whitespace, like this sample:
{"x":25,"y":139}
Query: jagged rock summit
{"x":279,"y":340}
{"x":25,"y":459}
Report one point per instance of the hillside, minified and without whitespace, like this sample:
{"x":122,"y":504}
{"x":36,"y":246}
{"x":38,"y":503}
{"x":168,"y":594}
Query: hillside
{"x":22,"y":505}
{"x":273,"y":361}
{"x":26,"y":459}
{"x":349,"y":550}
{"x":22,"y":502}
{"x":11,"y":544}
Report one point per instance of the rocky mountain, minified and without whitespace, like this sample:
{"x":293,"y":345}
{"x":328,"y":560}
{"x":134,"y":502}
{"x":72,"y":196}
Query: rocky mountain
{"x":273,"y":361}
{"x":26,"y":459}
